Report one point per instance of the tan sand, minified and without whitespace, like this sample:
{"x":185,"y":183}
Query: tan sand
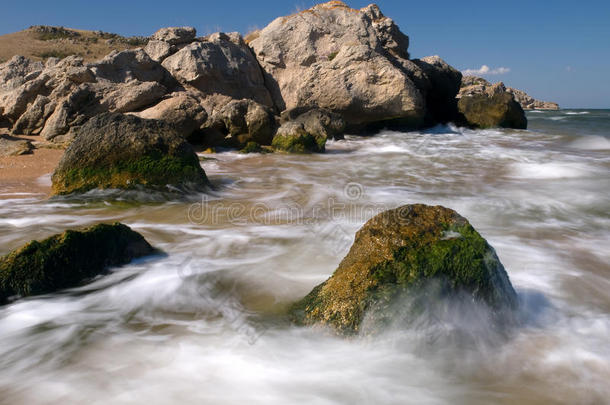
{"x":28,"y":175}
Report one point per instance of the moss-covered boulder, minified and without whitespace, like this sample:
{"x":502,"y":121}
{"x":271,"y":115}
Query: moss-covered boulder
{"x":398,"y":252}
{"x":116,"y":151}
{"x":66,"y":260}
{"x":482,"y":106}
{"x":292,"y":137}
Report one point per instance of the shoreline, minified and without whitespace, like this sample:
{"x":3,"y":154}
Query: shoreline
{"x":28,"y":175}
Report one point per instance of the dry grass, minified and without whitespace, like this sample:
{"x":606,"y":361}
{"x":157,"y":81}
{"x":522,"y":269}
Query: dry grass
{"x":91,"y":45}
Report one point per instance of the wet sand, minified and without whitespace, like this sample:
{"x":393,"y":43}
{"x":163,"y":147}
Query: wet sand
{"x":28,"y":175}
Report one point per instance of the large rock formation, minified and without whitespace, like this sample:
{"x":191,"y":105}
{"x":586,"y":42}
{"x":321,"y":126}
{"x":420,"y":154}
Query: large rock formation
{"x":343,"y":60}
{"x":484,"y":105}
{"x":68,"y":259}
{"x":119,"y":151}
{"x":399,"y":252}
{"x":478,"y":84}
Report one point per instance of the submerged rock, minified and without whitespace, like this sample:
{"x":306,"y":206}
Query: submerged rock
{"x":68,"y":259}
{"x":318,"y":122}
{"x":123,"y":152}
{"x":487,"y":106}
{"x":399,"y":251}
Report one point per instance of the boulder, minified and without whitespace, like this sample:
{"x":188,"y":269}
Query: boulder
{"x":529,"y":103}
{"x":17,"y":71}
{"x":180,"y":109}
{"x":292,"y":137}
{"x":483,"y":106}
{"x":123,"y":152}
{"x":159,"y":50}
{"x":68,"y":259}
{"x":344,"y":60}
{"x":247,"y":121}
{"x":400,"y":252}
{"x":33,"y":119}
{"x":440,"y":87}
{"x":175,"y":35}
{"x":129,"y":65}
{"x":221,"y":64}
{"x":10,"y":146}
{"x":318,"y":122}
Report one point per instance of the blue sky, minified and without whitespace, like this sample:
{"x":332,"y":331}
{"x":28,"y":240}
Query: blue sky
{"x":557,"y":51}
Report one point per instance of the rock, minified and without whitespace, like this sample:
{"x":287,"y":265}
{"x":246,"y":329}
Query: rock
{"x":131,"y":96}
{"x":529,"y":103}
{"x":221,"y":64}
{"x":175,"y":35}
{"x":33,"y":119}
{"x":247,"y":121}
{"x":10,"y":146}
{"x":123,"y":152}
{"x":317,"y":122}
{"x":179,"y":109}
{"x":401,"y":251}
{"x":292,"y":137}
{"x":68,"y":259}
{"x":17,"y":71}
{"x":158,"y":50}
{"x":483,"y":106}
{"x":474,"y":84}
{"x":129,"y":65}
{"x":440,"y":88}
{"x":343,"y":60}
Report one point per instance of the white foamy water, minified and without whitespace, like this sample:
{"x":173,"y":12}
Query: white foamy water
{"x":203,"y":323}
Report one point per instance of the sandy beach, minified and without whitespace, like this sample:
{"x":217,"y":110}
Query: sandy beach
{"x":28,"y":175}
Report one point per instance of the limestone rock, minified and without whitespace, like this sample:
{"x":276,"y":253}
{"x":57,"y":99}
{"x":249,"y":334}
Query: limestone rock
{"x":292,"y":137}
{"x":68,"y":259}
{"x":440,"y":87}
{"x":529,"y":103}
{"x":399,"y":252}
{"x":247,"y":121}
{"x":175,"y":35}
{"x":158,"y":50}
{"x":317,"y":122}
{"x":182,"y":110}
{"x":13,"y":147}
{"x":17,"y":71}
{"x":340,"y":59}
{"x":484,"y":106}
{"x":122,"y":152}
{"x":222,"y":64}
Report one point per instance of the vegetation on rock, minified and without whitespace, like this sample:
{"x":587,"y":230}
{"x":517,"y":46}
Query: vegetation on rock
{"x":68,"y":259}
{"x":398,"y":251}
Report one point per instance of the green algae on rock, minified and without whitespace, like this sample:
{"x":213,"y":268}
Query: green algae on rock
{"x":67,"y":259}
{"x":124,"y":152}
{"x":400,"y":250}
{"x":293,"y":138}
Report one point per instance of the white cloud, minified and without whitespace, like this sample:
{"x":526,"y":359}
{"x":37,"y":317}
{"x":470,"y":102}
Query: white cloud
{"x":486,"y":70}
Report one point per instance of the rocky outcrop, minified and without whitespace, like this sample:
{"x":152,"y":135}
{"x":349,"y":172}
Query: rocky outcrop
{"x":343,"y":60}
{"x":13,"y":147}
{"x":64,"y":94}
{"x":529,"y":103}
{"x":116,"y":151}
{"x":440,"y":83}
{"x":68,"y":259}
{"x":182,"y":110}
{"x":322,"y":124}
{"x":478,"y":84}
{"x":400,"y":252}
{"x":175,"y":35}
{"x":482,"y":105}
{"x":246,"y":121}
{"x":292,"y":137}
{"x":221,"y":64}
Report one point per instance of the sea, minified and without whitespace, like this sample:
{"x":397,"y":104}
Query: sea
{"x":205,"y":323}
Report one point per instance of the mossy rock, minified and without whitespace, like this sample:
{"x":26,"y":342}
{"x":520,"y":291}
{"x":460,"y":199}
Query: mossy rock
{"x":254,"y":147}
{"x":399,"y":251}
{"x":124,"y":152}
{"x":292,"y":137}
{"x":492,"y":111}
{"x":66,"y":260}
